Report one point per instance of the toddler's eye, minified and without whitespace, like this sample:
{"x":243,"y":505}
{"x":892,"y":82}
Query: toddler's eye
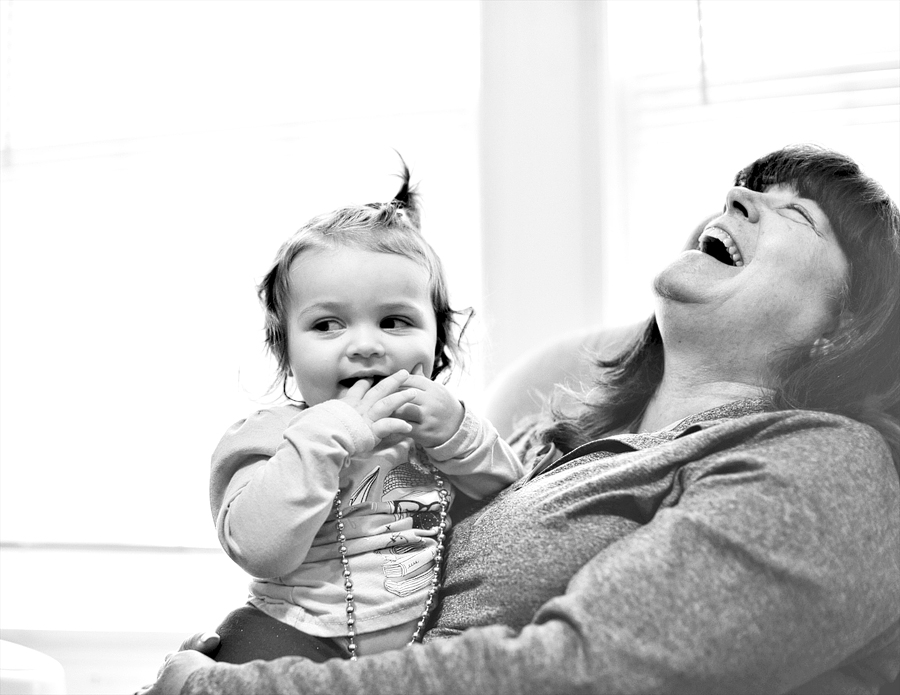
{"x":394,"y":322}
{"x":326,"y":325}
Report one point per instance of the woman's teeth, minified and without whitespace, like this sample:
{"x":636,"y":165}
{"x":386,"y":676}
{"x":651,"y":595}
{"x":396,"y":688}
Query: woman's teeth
{"x":719,"y":244}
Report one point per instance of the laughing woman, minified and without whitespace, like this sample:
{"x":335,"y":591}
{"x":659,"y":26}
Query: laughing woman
{"x":721,"y":511}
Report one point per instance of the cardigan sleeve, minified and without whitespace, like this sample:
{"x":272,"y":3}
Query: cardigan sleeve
{"x":779,"y":566}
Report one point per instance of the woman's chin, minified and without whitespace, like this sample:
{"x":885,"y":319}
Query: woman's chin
{"x":692,"y":277}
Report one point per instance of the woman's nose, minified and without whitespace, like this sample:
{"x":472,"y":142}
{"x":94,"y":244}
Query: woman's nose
{"x":744,"y":202}
{"x":365,"y":343}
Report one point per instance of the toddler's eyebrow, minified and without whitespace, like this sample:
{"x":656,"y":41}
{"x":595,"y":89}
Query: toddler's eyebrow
{"x":336,"y":307}
{"x":322,"y":306}
{"x":400,"y":306}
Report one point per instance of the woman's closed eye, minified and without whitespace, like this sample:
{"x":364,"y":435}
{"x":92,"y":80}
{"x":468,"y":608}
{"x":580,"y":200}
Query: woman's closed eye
{"x":802,"y":213}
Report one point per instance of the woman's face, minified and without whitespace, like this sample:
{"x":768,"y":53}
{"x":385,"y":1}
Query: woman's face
{"x":768,"y":270}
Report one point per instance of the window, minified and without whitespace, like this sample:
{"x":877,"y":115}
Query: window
{"x":154,"y":157}
{"x":702,"y":88}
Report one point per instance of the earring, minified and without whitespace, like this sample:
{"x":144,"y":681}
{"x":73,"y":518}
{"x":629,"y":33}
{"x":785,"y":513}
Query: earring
{"x":821,"y":347}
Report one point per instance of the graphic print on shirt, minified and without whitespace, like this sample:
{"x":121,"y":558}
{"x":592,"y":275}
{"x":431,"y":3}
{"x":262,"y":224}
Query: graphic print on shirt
{"x":411,"y":491}
{"x":361,"y":493}
{"x":407,"y":568}
{"x":395,"y":482}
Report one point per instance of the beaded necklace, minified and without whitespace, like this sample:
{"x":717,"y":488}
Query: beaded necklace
{"x":436,"y":570}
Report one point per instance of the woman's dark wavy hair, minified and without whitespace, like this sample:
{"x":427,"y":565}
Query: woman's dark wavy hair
{"x":859,"y":376}
{"x":392,"y":227}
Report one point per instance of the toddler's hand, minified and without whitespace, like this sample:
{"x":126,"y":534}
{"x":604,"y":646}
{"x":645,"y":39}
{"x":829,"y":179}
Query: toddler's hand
{"x":376,"y":404}
{"x":434,"y":413}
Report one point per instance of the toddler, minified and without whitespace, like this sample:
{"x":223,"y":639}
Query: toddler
{"x":337,"y":505}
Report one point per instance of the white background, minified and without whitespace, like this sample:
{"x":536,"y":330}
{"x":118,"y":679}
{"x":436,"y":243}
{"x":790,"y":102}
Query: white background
{"x":155,"y":154}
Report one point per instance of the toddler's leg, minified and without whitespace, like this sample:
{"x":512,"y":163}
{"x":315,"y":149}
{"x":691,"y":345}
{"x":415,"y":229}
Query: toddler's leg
{"x":247,"y":634}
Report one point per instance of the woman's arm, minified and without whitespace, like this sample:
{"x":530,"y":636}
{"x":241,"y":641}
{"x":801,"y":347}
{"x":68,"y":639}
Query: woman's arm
{"x":778,"y":564}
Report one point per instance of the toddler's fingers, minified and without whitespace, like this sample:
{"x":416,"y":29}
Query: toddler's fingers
{"x":417,"y":381}
{"x":358,"y":390}
{"x":387,"y":385}
{"x":419,"y":370}
{"x":385,"y":407}
{"x":410,"y":412}
{"x":364,"y":390}
{"x":387,"y":426}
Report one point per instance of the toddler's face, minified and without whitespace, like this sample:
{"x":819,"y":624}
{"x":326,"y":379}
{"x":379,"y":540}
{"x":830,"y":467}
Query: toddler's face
{"x":354,"y":314}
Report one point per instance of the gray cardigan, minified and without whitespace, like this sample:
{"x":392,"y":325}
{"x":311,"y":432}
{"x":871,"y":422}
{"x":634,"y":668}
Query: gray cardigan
{"x":735,"y":553}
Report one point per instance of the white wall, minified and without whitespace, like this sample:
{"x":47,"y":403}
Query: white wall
{"x":542,"y":169}
{"x":154,"y":157}
{"x":551,"y":162}
{"x":600,"y":152}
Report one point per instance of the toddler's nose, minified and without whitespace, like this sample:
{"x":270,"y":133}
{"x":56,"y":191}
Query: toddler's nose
{"x":365,"y":344}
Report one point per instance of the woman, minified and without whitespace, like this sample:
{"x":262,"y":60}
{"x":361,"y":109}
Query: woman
{"x":720,"y":514}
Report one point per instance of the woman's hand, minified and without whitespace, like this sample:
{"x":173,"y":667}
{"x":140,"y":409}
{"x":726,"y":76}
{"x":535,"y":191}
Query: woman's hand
{"x":203,"y":642}
{"x":181,"y":664}
{"x":434,"y":413}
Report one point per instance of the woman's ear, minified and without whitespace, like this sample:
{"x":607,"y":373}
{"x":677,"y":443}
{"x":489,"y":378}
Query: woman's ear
{"x":821,"y":347}
{"x":841,"y":326}
{"x":840,"y":332}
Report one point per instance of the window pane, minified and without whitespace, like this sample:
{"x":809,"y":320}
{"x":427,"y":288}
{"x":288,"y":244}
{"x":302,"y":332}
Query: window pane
{"x":158,"y":154}
{"x":86,"y":71}
{"x":773,"y":73}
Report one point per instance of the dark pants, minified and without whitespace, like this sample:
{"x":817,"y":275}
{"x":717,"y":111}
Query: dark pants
{"x":247,"y":634}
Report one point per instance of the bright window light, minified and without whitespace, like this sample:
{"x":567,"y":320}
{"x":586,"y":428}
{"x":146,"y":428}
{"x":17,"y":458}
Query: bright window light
{"x":155,"y":155}
{"x":704,"y":87}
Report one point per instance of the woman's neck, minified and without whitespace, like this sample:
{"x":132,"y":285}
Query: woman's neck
{"x":676,"y":399}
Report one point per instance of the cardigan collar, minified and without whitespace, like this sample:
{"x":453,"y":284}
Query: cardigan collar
{"x":550,"y":457}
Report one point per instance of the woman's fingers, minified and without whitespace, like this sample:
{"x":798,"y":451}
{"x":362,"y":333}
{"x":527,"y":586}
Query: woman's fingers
{"x":203,"y":642}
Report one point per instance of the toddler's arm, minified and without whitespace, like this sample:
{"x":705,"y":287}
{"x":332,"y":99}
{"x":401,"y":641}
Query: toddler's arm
{"x":273,"y":481}
{"x":464,"y":446}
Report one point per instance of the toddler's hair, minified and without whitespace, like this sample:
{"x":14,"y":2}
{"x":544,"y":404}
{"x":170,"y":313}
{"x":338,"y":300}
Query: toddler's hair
{"x":380,"y":227}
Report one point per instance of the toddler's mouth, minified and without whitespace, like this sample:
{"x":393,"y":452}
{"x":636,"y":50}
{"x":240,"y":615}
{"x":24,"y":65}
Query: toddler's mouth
{"x":349,"y":381}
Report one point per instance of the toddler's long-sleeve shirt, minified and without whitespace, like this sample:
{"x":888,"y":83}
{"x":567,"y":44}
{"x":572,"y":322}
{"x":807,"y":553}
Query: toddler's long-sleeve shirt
{"x":273,"y":483}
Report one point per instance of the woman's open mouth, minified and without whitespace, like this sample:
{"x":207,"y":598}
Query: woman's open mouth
{"x":718,"y":243}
